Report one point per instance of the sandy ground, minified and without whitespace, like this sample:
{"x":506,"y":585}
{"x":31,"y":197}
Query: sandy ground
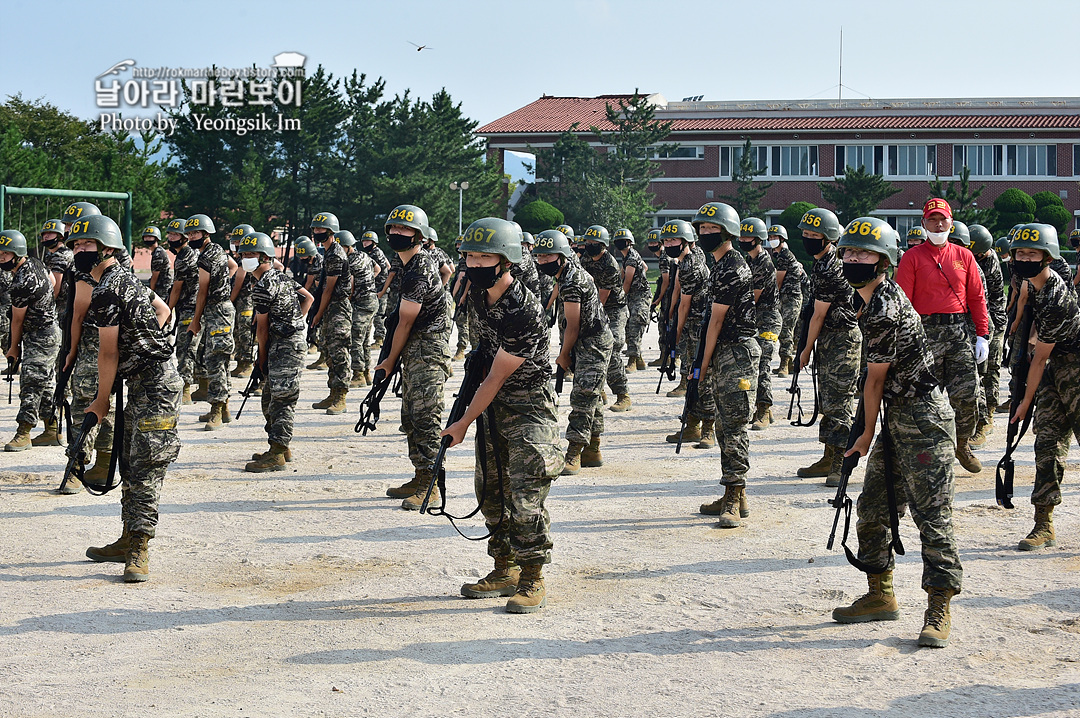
{"x":308,"y":593}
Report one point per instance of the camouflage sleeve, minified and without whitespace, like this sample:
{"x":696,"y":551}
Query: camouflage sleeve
{"x":27,"y":287}
{"x":1057,"y":318}
{"x":186,"y":267}
{"x":879,"y":327}
{"x":336,"y":264}
{"x":159,"y":262}
{"x":104,"y":308}
{"x":728,"y":283}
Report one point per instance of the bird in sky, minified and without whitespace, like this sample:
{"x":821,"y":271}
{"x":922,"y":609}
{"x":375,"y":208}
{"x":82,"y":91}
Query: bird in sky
{"x":420,"y":47}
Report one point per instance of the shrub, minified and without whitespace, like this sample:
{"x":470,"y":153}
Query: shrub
{"x":538,"y":216}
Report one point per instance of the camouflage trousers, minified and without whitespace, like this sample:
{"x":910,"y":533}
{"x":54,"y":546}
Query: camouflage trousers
{"x":336,"y":343}
{"x":767,"y":339}
{"x":187,"y":347}
{"x":37,"y":377}
{"x":592,"y":356}
{"x":380,"y":319}
{"x":425,"y":366}
{"x":922,"y":447}
{"x":217,"y":339}
{"x":790,"y":309}
{"x":991,"y":377}
{"x":1057,"y":420}
{"x":953,"y":347}
{"x":151,"y":442}
{"x":732,"y":378}
{"x":5,"y":329}
{"x":837,"y":361}
{"x":636,"y":323}
{"x":84,"y":386}
{"x":363,"y":314}
{"x":527,"y":430}
{"x":281,"y":388}
{"x":243,"y":333}
{"x":705,"y":408}
{"x":616,"y":373}
{"x":462,"y":323}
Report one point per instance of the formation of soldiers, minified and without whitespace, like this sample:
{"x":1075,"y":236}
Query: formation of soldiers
{"x":917,"y":338}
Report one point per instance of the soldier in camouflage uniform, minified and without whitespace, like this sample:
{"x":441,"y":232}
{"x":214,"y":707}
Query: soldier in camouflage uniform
{"x":35,"y":336}
{"x":834,"y":338}
{"x":789,"y":278}
{"x":5,"y":310}
{"x":213,"y":312}
{"x":365,"y":303}
{"x":731,"y":358}
{"x":369,"y":244}
{"x":917,"y":453}
{"x":281,"y":306}
{"x":692,"y":283}
{"x":242,"y":283}
{"x":1053,"y":380}
{"x":662,"y":294}
{"x":990,"y":266}
{"x":605,"y":271}
{"x":135,"y":347}
{"x":421,"y":342}
{"x":334,"y":314}
{"x":543,"y":281}
{"x":57,"y":259}
{"x":638,"y":297}
{"x":459,"y":289}
{"x":766,"y":312}
{"x":185,"y":291}
{"x":161,"y":270}
{"x":520,"y":414}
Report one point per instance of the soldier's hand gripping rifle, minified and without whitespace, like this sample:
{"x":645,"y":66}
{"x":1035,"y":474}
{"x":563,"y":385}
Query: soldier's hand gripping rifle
{"x":669,"y":338}
{"x":693,"y":383}
{"x":253,"y":384}
{"x":459,"y":297}
{"x":560,"y":373}
{"x":9,"y":375}
{"x":380,"y":383}
{"x":60,"y":400}
{"x":1003,"y":479}
{"x":795,"y":390}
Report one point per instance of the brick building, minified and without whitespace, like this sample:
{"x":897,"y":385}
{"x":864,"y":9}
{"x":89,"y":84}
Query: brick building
{"x":1032,"y":144}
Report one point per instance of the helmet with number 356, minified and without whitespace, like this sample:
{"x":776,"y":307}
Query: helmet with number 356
{"x":821,"y":220}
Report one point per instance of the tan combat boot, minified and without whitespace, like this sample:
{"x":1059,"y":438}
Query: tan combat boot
{"x":622,"y":403}
{"x":116,"y":552}
{"x":836,"y":467}
{"x":936,"y":621}
{"x":730,"y":511}
{"x":819,"y":468}
{"x":411,"y":486}
{"x":324,"y":403}
{"x":319,"y":363}
{"x":367,"y":378}
{"x":631,"y":365}
{"x":680,"y":390}
{"x":978,"y":439}
{"x":49,"y":437}
{"x":640,"y":363}
{"x":573,"y":459}
{"x":21,"y":440}
{"x":877,"y":604}
{"x":787,"y":365}
{"x":459,"y":356}
{"x":708,"y":435}
{"x":226,"y":416}
{"x":99,"y":472}
{"x":202,"y":392}
{"x":590,"y":455}
{"x":186,"y":398}
{"x":70,"y":487}
{"x":337,"y":406}
{"x":137,"y":561}
{"x":691,"y":433}
{"x":272,"y":460}
{"x":764,"y":418}
{"x":243,"y":369}
{"x":414,"y":502}
{"x":357,"y":380}
{"x":1043,"y":533}
{"x":287,"y":455}
{"x":503,"y":581}
{"x":216,"y":418}
{"x":967,"y":459}
{"x":658,"y":361}
{"x":717,"y":507}
{"x":530,"y":596}
{"x":377,"y":344}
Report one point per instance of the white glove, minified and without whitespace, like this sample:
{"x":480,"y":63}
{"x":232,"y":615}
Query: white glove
{"x":982,"y":350}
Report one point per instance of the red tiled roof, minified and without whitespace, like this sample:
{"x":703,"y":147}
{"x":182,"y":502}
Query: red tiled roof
{"x":556,"y":114}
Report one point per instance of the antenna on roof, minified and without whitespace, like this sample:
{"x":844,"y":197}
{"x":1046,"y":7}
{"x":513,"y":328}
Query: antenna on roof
{"x":840,"y":83}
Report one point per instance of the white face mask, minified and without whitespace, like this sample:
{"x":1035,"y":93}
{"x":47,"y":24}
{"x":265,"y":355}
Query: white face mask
{"x":249,"y":264}
{"x":937,"y":238}
{"x":772,"y":243}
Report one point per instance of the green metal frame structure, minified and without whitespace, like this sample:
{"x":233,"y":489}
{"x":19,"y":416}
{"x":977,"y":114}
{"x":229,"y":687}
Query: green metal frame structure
{"x":75,"y":194}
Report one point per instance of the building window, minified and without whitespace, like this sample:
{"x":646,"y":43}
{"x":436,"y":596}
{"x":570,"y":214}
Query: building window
{"x":1006,"y":160}
{"x":1076,"y":160}
{"x":776,"y":160}
{"x":912,"y":160}
{"x":682,"y":152}
{"x":903,"y":223}
{"x":869,"y":157}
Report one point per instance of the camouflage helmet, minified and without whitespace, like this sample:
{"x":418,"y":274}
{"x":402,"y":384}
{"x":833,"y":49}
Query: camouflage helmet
{"x":368,"y":234}
{"x":566,"y":229}
{"x":99,"y":228}
{"x":753,"y":227}
{"x":78,"y":210}
{"x":680,"y":229}
{"x":653,"y":235}
{"x":345,"y":238}
{"x":623,"y":233}
{"x":325,"y":220}
{"x":959,"y":234}
{"x":598,"y":233}
{"x":553,"y":241}
{"x":1074,"y":237}
{"x":981,"y":239}
{"x":492,"y":235}
{"x":720,"y":214}
{"x":239,"y":232}
{"x":176,"y":226}
{"x":151,"y":232}
{"x":873,"y":234}
{"x":197,"y":222}
{"x":259,"y":243}
{"x":821,"y":220}
{"x":1035,"y":236}
{"x":1001,"y":246}
{"x":433,"y":236}
{"x":409,"y":215}
{"x":778,"y":230}
{"x":52,"y":225}
{"x":916,"y":232}
{"x":12,"y":240}
{"x":526,"y":238}
{"x":305,"y":248}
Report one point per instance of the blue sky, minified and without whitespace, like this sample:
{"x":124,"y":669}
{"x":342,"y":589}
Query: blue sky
{"x":494,"y":57}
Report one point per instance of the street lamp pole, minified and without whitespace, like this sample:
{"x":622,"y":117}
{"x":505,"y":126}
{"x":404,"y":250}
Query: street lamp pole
{"x":460,"y":187}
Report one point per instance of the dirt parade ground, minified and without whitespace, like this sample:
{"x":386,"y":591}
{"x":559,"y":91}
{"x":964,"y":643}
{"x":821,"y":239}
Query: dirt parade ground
{"x":309,"y":593}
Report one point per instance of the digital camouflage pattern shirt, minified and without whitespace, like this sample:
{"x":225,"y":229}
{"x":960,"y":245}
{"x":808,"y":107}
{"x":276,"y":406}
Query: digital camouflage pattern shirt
{"x":517,"y":325}
{"x":186,"y":270}
{"x":31,"y":290}
{"x":764,"y":279}
{"x":639,"y":285}
{"x":214,"y":261}
{"x":731,"y":284}
{"x":606,"y":274}
{"x":1055,"y":313}
{"x":362,"y":269}
{"x":576,"y":287}
{"x":694,"y":282}
{"x":827,"y":284}
{"x":421,"y":283}
{"x":120,"y":300}
{"x":336,"y":264}
{"x":893,"y":333}
{"x":785,"y":261}
{"x":278,"y":297}
{"x":159,"y":262}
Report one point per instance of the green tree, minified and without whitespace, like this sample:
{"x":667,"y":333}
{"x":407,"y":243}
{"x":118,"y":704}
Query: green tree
{"x":1013,"y":206}
{"x":748,"y":193}
{"x":790,"y":219}
{"x":962,"y":198}
{"x":857,"y":193}
{"x":538,"y":216}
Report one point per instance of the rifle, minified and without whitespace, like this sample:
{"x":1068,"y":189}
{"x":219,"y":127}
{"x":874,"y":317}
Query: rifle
{"x":60,"y":399}
{"x":1003,"y":484}
{"x":669,"y":335}
{"x":76,"y":465}
{"x":694,"y":381}
{"x":795,"y":390}
{"x":549,"y":305}
{"x":9,"y":375}
{"x":253,"y":384}
{"x":369,"y":407}
{"x":560,"y":373}
{"x":458,"y":297}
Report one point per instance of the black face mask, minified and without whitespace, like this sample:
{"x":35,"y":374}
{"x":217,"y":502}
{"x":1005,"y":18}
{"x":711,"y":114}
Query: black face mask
{"x":709,"y":242}
{"x":399,"y":242}
{"x":813,"y":247}
{"x":859,"y":275}
{"x":319,"y":237}
{"x":1026,"y":270}
{"x":9,"y":265}
{"x":594,"y":250}
{"x":745,"y":247}
{"x":85,"y":261}
{"x":1074,"y":243}
{"x":622,"y":244}
{"x":369,"y":248}
{"x":49,"y":244}
{"x":550,"y":269}
{"x":673,"y":252}
{"x":656,"y":248}
{"x":483,"y":277}
{"x":196,"y":243}
{"x":150,"y":245}
{"x":175,"y":246}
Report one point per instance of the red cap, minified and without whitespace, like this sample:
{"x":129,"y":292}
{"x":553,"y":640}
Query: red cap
{"x":936,"y":205}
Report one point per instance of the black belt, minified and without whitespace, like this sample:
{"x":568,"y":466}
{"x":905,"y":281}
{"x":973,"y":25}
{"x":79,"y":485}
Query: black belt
{"x":943,"y":319}
{"x":910,"y":400}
